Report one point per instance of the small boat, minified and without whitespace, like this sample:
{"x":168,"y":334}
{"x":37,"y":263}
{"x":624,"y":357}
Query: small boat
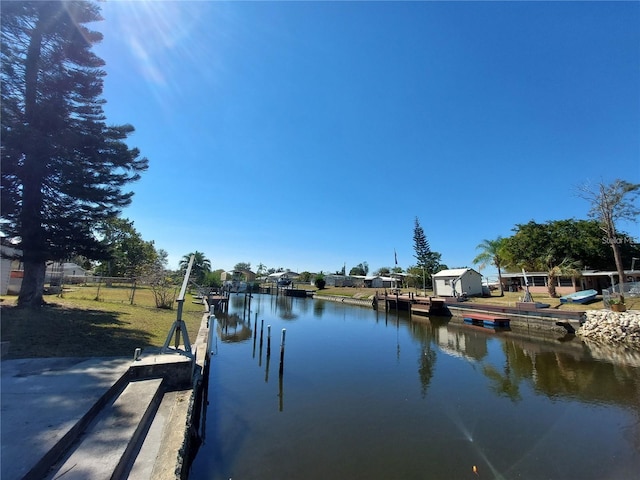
{"x":582,"y":296}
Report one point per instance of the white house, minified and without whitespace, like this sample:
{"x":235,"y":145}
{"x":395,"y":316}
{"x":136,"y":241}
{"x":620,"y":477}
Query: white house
{"x":65,"y":269}
{"x":58,"y":273}
{"x":457,"y":281}
{"x":380,"y":282}
{"x":283,"y":278}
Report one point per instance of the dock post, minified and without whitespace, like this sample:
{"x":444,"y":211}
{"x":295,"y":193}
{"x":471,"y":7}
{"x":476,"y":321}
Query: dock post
{"x":266,"y":370}
{"x":255,"y":334}
{"x":268,"y":341}
{"x":284,"y":333}
{"x":261,"y":330}
{"x":280,"y":394}
{"x":261,"y":334}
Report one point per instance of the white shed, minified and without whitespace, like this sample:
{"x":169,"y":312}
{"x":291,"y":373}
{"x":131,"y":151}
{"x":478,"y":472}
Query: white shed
{"x":457,"y":281}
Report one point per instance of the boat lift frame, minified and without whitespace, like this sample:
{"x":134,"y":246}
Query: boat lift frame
{"x":179,"y":328}
{"x":527,"y":295}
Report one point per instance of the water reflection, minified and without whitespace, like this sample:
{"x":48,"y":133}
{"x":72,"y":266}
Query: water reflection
{"x":232,"y":328}
{"x":382,"y":395}
{"x":568,"y":368}
{"x":283,"y":306}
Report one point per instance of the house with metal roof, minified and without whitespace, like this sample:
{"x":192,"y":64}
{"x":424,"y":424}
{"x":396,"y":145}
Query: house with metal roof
{"x":283,"y":279}
{"x":588,"y":279}
{"x":378,"y":281}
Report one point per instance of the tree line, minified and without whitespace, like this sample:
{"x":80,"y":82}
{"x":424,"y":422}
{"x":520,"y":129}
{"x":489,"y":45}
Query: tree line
{"x":66,"y":173}
{"x":562,"y":248}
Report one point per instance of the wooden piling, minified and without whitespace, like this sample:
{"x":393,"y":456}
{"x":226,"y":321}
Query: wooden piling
{"x":268,"y":341}
{"x":280,"y":393}
{"x":266,"y":373}
{"x":284,"y":333}
{"x":261,"y":331}
{"x":255,"y":335}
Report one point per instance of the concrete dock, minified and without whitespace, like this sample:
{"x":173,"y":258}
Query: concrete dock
{"x":100,"y":418}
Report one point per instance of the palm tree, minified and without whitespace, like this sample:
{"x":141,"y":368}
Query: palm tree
{"x":566,"y":268}
{"x":201,"y":265}
{"x":492,"y":253}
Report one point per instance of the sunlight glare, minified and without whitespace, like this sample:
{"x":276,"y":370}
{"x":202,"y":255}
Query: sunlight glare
{"x":167,"y":40}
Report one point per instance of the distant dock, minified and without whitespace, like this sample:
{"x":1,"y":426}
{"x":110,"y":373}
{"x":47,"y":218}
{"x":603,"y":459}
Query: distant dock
{"x":410,"y":303}
{"x":218,"y":302}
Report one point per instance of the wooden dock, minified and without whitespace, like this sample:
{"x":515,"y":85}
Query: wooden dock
{"x":218,"y":302}
{"x":431,"y":306}
{"x":410,"y":303}
{"x":293,"y":292}
{"x":485,"y":320}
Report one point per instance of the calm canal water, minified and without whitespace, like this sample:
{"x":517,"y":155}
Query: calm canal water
{"x":365,"y":395}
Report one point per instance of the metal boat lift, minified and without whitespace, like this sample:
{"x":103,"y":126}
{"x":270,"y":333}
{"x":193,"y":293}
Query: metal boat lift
{"x":178,"y":327}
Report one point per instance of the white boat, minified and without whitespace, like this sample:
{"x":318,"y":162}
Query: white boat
{"x":582,"y":296}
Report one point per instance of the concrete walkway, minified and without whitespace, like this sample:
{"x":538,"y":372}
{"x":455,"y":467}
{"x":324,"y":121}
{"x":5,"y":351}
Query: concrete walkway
{"x":42,"y":401}
{"x":46,"y":404}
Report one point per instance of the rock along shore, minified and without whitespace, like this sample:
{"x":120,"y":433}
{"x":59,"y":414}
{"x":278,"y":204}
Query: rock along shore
{"x":612,"y":327}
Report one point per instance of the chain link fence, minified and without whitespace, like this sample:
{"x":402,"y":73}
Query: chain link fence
{"x":611,"y":295}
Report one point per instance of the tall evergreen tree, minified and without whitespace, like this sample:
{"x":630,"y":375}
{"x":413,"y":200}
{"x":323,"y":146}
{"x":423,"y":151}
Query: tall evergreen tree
{"x":63,"y":167}
{"x":428,"y":261}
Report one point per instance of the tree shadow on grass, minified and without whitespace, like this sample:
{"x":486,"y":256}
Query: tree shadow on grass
{"x":55,"y":331}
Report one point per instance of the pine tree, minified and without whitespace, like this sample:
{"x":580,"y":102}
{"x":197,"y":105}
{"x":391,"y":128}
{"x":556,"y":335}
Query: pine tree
{"x":63,"y":168}
{"x":420,"y":244}
{"x":428,"y":261}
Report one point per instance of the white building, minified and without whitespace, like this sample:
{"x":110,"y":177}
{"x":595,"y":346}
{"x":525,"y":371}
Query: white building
{"x":380,"y":282}
{"x":283,"y":278}
{"x":9,"y":261}
{"x":456,"y":282}
{"x":64,"y":269}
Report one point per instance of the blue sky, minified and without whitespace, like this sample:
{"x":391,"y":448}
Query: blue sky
{"x":309,"y":135}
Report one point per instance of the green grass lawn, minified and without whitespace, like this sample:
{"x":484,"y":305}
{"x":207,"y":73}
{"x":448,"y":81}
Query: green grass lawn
{"x":77,"y":325}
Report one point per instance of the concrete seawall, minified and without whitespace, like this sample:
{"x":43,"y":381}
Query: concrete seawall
{"x":545,"y":319}
{"x":191,"y":425}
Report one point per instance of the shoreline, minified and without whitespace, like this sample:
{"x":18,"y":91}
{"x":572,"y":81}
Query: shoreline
{"x":603,"y":325}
